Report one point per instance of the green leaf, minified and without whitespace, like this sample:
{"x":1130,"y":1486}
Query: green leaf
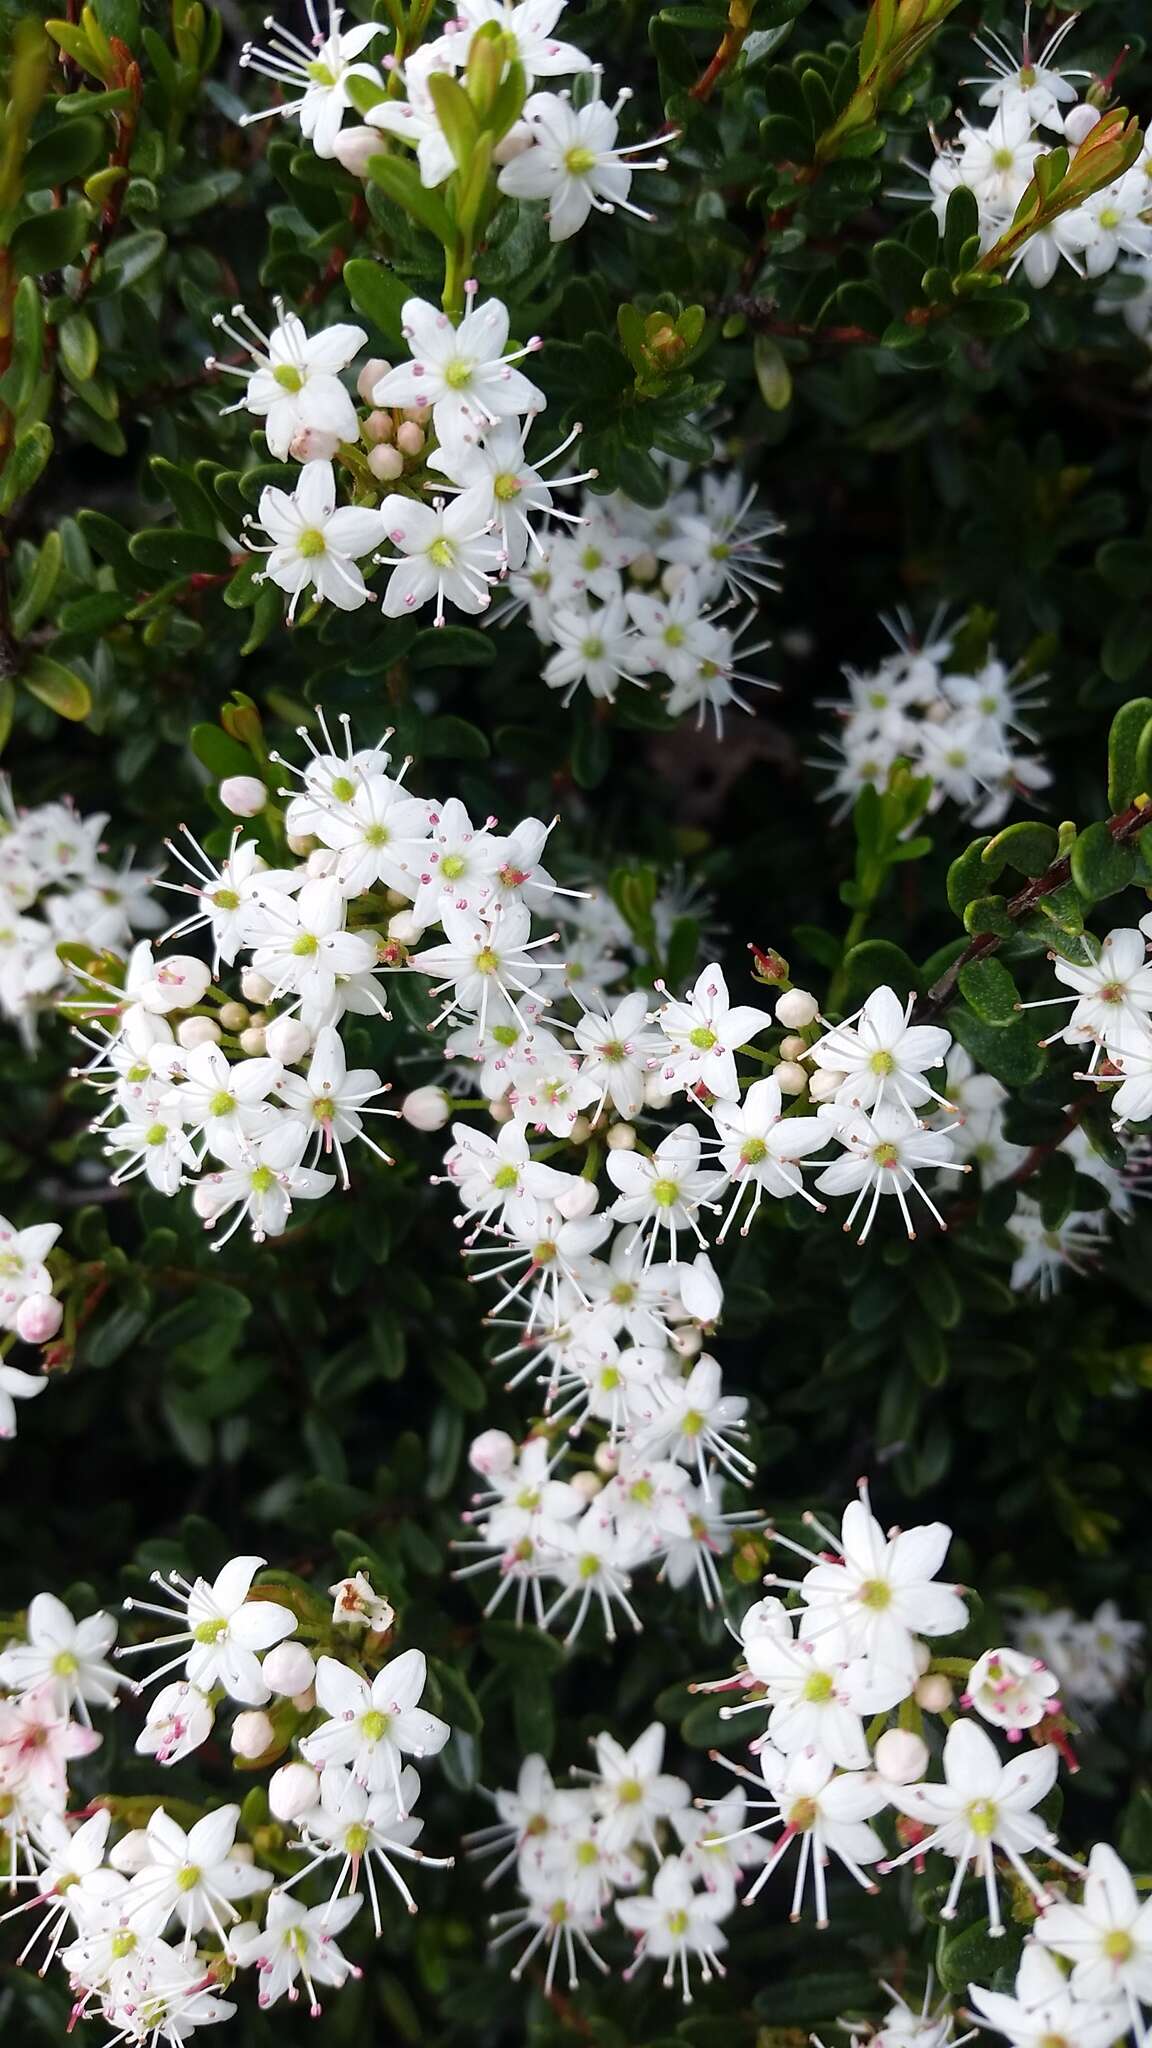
{"x":773,"y":374}
{"x":219,"y":753}
{"x":60,"y":688}
{"x":50,"y":240}
{"x":194,"y":508}
{"x":68,"y":151}
{"x":874,"y":962}
{"x":1127,"y":643}
{"x":27,"y":364}
{"x":132,"y":257}
{"x":1100,"y":867}
{"x":967,"y":876}
{"x":1124,"y":740}
{"x":1010,"y":1052}
{"x":173,"y":551}
{"x":401,"y":181}
{"x":1029,"y":847}
{"x":79,"y":347}
{"x":993,"y":316}
{"x":36,"y":591}
{"x":988,"y":989}
{"x":961,"y":222}
{"x":25,"y":464}
{"x":379,"y":294}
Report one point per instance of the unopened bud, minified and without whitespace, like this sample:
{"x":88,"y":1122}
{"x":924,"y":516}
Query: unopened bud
{"x":426,"y":1109}
{"x":194,"y":1031}
{"x":374,"y":369}
{"x":644,"y":567}
{"x":289,"y":1669}
{"x":287,"y":1039}
{"x":586,"y":1484}
{"x":901,"y":1756}
{"x":1079,"y":122}
{"x":792,"y":1047}
{"x":256,"y":988}
{"x":379,"y":426}
{"x":824,"y":1083}
{"x":796,"y":1009}
{"x":606,"y":1458}
{"x":518,"y":139}
{"x":252,"y":1041}
{"x":252,"y":1734}
{"x":301,"y":844}
{"x":38,"y":1318}
{"x":578,"y":1201}
{"x":687,"y":1341}
{"x":243,"y":795}
{"x":934,"y":1693}
{"x":622,"y":1138}
{"x":493,"y":1451}
{"x":313,"y":444}
{"x":293,"y":1790}
{"x":769,"y":966}
{"x":500,"y":1112}
{"x":403,"y":926}
{"x":386,"y":463}
{"x":581,"y":1129}
{"x":656,"y":1095}
{"x":233,"y":1016}
{"x":790,"y":1079}
{"x":410,"y":438}
{"x":355,"y":149}
{"x":131,"y":1853}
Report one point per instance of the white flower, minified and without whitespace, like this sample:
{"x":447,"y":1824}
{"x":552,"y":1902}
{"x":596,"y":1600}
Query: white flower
{"x":721,"y":540}
{"x":881,"y":1153}
{"x":298,"y":1941}
{"x":179,"y":1720}
{"x":633,"y":1794}
{"x":1048,"y":1251}
{"x":357,"y":1604}
{"x":692,"y":1420}
{"x":1032,"y":82}
{"x":296,"y":381}
{"x":192,"y":1877}
{"x":997,"y":162}
{"x":882,"y":1589}
{"x":67,"y":1656}
{"x":329,"y":1104}
{"x":318,"y":71}
{"x":496,"y":1175}
{"x":357,"y":1830}
{"x":574,"y":162}
{"x":596,"y":648}
{"x":761,"y":1149}
{"x":1112,"y":992}
{"x":300,"y":944}
{"x":702,"y":1032}
{"x":486,"y":966}
{"x":315,"y":545}
{"x":591,"y":1563}
{"x":224,"y":1627}
{"x":372,"y":1725}
{"x":445,"y":553}
{"x":414,"y":120}
{"x":1112,"y":220}
{"x":216,"y":1097}
{"x":826,"y":1814}
{"x":981,"y":1806}
{"x":1011,"y":1690}
{"x":1107,"y":1938}
{"x":514,"y":489}
{"x":260,"y":1178}
{"x":37,"y":1743}
{"x":678,"y":1925}
{"x":527,"y":27}
{"x":1044,"y":2007}
{"x":819,"y":1688}
{"x":462,"y":373}
{"x":617,"y":1052}
{"x":665,"y":1191}
{"x":879,"y":1052}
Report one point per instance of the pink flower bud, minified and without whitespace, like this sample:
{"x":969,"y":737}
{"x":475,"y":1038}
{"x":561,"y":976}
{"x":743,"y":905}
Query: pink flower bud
{"x":355,"y":148}
{"x":379,"y":426}
{"x":243,"y":795}
{"x":252,"y":1041}
{"x":410,"y":438}
{"x":289,"y":1669}
{"x":313,"y":444}
{"x":792,"y":1048}
{"x":370,"y":376}
{"x":934,"y":1693}
{"x":901,"y":1757}
{"x":38,"y":1318}
{"x":622,"y":1138}
{"x":586,"y":1484}
{"x":386,"y":463}
{"x":426,"y":1109}
{"x":234,"y":1016}
{"x":293,"y":1790}
{"x":491,"y":1452}
{"x":252,"y":1734}
{"x":287,"y":1040}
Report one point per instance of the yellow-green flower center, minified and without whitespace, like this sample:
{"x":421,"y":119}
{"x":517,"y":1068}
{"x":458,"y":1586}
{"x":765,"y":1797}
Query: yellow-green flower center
{"x":311,"y":543}
{"x":288,"y":377}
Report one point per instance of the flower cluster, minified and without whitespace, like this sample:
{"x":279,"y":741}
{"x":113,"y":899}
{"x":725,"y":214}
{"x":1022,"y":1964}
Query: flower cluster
{"x":1092,"y":1659}
{"x":1111,"y":1000}
{"x":245,"y":1102}
{"x":963,"y":731}
{"x":633,"y":595}
{"x":624,"y":1844}
{"x":55,"y":889}
{"x":146,"y":1914}
{"x":1035,"y":110}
